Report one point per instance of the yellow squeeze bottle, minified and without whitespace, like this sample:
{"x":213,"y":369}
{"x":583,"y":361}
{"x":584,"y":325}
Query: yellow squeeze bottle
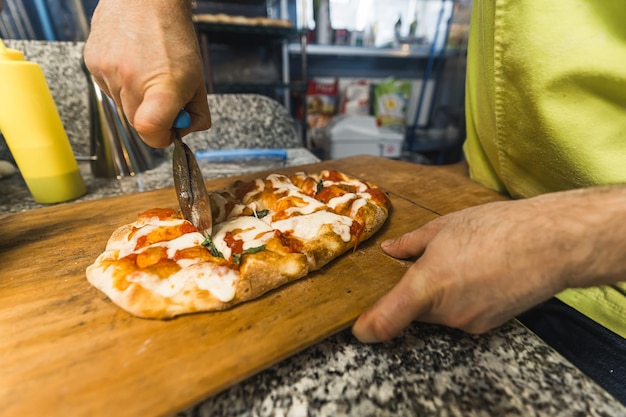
{"x":32,"y":128}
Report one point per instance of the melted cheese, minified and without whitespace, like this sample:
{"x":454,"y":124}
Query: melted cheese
{"x":220,"y":281}
{"x":128,"y":246}
{"x":308,"y":226}
{"x":259,"y":187}
{"x":155,"y":221}
{"x":238,"y":209}
{"x":254,"y":232}
{"x":335,"y":202}
{"x":310,"y":205}
{"x":358,"y":200}
{"x":188,"y":240}
{"x":354,"y":184}
{"x":357,"y":204}
{"x":168,"y":287}
{"x":283,"y":184}
{"x":304,"y":222}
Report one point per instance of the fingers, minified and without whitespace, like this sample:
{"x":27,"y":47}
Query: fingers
{"x":409,"y":299}
{"x":155,"y":114}
{"x":393,"y":312}
{"x":411,"y":244}
{"x":198,"y":108}
{"x":147,"y":60}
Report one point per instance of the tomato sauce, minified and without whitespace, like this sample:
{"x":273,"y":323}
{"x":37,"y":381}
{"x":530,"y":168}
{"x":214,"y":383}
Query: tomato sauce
{"x":235,"y":245}
{"x":356,"y":229}
{"x":328,"y":193}
{"x":333,"y":175}
{"x":164,"y":268}
{"x":151,"y":256}
{"x":122,"y":267}
{"x":309,"y":186}
{"x":293,"y":244}
{"x":378,"y":196}
{"x":160,"y":213}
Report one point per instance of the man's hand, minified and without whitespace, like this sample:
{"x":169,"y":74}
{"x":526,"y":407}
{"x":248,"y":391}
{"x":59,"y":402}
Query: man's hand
{"x":144,"y":54}
{"x":480,"y":267}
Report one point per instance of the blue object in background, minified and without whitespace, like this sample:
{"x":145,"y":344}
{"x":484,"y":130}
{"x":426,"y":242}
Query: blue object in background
{"x":238,"y":155}
{"x":44,"y":19}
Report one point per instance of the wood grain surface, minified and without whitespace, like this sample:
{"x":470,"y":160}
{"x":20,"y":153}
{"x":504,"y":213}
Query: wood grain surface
{"x":65,"y":349}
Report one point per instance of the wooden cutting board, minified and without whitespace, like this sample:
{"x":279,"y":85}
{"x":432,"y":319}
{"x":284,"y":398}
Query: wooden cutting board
{"x":65,"y":349}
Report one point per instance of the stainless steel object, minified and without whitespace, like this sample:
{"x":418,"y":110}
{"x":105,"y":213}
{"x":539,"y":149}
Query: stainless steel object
{"x":117,"y":150}
{"x":193,"y":197}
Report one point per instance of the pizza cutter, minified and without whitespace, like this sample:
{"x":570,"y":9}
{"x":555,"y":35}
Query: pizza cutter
{"x":190,"y":187}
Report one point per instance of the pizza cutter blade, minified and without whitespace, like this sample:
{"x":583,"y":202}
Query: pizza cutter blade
{"x":190,"y":187}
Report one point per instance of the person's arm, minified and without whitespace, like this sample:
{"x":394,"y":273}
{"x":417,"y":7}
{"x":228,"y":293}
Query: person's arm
{"x":144,"y":54}
{"x":480,"y":267}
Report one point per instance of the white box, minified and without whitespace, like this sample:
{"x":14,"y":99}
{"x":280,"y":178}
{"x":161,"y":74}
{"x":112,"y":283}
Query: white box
{"x":359,"y":135}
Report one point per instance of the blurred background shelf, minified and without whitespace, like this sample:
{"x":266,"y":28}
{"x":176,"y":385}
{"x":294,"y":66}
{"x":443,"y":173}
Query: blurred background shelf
{"x":239,"y":87}
{"x":245,"y":30}
{"x":422,"y":42}
{"x":361,"y":51}
{"x":247,"y":58}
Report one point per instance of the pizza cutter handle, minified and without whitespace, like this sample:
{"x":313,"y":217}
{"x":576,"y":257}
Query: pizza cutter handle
{"x":183,"y":120}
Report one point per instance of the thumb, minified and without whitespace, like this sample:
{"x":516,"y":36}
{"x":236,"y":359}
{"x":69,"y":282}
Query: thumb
{"x":395,"y":310}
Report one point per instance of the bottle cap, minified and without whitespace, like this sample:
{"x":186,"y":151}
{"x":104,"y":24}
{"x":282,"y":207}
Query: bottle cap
{"x":10,"y":54}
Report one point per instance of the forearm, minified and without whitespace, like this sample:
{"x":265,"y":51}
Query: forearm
{"x":591,"y":223}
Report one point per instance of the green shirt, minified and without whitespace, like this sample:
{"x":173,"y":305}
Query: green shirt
{"x":546,"y":108}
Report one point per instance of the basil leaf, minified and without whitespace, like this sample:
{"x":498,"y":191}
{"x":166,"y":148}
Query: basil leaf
{"x":254,"y":250}
{"x":261,"y":213}
{"x":237,"y":256}
{"x":208,"y":242}
{"x":320,"y":186}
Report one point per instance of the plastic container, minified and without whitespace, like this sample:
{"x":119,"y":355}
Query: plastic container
{"x":32,"y":128}
{"x":359,"y":135}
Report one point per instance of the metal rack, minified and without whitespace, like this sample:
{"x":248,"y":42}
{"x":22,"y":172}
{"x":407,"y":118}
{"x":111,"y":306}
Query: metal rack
{"x":212,"y":34}
{"x":430,"y":63}
{"x":51,"y":20}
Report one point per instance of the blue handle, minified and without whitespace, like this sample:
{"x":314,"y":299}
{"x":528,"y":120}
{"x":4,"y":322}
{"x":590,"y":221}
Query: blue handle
{"x":182,"y":120}
{"x":44,"y":18}
{"x":232,"y":155}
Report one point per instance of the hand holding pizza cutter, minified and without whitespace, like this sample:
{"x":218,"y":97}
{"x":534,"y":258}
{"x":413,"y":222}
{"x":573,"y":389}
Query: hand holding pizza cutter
{"x":193,"y":197}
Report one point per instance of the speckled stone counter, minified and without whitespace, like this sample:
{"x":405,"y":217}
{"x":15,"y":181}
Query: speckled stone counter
{"x":427,"y":371}
{"x":15,"y":197}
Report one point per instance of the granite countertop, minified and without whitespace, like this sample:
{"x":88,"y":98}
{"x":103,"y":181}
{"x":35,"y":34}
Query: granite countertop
{"x":428,"y":370}
{"x":15,"y":196}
